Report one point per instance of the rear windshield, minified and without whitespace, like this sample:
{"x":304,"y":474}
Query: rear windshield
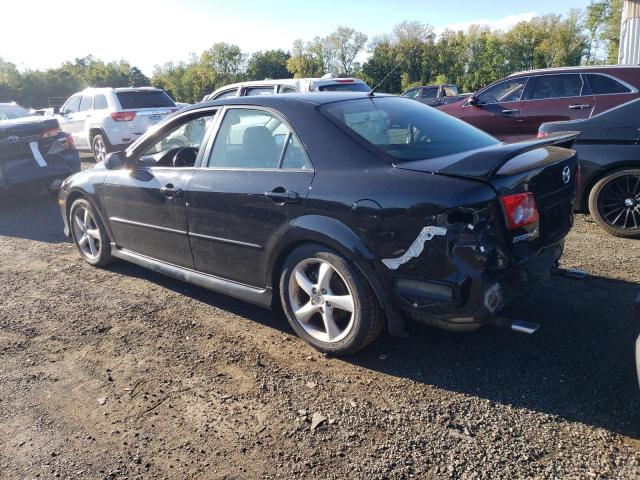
{"x":13,"y":111}
{"x":144,"y":99}
{"x":405,"y":129}
{"x":345,"y":87}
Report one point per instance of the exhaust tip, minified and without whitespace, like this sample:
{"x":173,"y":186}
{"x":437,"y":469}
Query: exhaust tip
{"x":524,"y":327}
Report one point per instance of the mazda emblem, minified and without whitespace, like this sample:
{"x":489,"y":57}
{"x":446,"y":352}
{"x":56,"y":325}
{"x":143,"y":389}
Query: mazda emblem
{"x":566,"y":174}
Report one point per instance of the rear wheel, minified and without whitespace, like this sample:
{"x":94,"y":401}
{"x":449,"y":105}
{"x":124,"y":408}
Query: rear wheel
{"x":614,"y":203}
{"x":328,"y":302}
{"x":99,"y":147}
{"x":88,"y":234}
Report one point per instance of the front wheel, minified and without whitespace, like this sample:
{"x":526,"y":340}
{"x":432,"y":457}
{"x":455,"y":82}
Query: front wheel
{"x":614,"y":203}
{"x":88,"y":234}
{"x":100,"y":147}
{"x":328,"y":302}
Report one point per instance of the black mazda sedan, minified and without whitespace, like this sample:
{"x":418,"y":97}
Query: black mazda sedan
{"x":351,"y":211}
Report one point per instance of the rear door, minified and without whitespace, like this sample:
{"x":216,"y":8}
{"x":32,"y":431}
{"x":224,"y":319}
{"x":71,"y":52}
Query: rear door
{"x":253,"y":180}
{"x":551,"y":98}
{"x":149,"y":106}
{"x":497,"y":109}
{"x":146,"y":203}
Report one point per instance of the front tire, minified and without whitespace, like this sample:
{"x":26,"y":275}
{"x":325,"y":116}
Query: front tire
{"x":328,"y":302}
{"x":614,"y":203}
{"x":100,"y":147}
{"x":88,"y":234}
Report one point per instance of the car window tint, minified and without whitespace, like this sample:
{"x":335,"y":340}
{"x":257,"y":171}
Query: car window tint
{"x":507,"y":91}
{"x":449,"y":91}
{"x":295,"y":156}
{"x":100,"y":102}
{"x":249,"y":138}
{"x":249,"y":92}
{"x":186,"y":134}
{"x":226,"y":94}
{"x":144,"y":99}
{"x":72,"y":105}
{"x":431,"y":92}
{"x":556,"y":86}
{"x":86,"y":103}
{"x":407,"y":130}
{"x":602,"y":85}
{"x":287,"y":89}
{"x":411,"y":93}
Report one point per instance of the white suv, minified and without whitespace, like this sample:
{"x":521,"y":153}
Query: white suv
{"x":289,"y":85}
{"x":103,"y":120}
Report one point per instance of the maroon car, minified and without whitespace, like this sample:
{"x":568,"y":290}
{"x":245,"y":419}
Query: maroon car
{"x":513,"y":108}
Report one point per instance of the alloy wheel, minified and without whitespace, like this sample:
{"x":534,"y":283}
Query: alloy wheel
{"x":86,"y":233}
{"x":321,"y":301}
{"x":99,"y":149}
{"x":619,"y":202}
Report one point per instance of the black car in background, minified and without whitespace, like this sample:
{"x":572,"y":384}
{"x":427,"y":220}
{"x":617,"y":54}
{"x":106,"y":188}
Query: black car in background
{"x":347,"y":209}
{"x":609,"y":152}
{"x":34,"y":152}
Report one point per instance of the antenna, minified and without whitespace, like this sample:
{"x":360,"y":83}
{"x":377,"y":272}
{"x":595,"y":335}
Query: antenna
{"x":382,"y":81}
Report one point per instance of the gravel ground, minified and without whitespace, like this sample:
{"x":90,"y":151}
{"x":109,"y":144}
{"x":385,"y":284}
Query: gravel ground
{"x":122,"y":373}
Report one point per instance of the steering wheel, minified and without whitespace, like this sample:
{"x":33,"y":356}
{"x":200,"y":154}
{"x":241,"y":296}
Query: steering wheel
{"x":184,"y":157}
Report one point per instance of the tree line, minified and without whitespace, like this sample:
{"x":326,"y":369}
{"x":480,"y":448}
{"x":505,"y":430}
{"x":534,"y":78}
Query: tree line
{"x":411,"y":51}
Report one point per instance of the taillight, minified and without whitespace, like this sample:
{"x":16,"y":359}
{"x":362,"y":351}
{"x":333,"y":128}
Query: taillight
{"x":520,"y":209}
{"x":70,"y":141}
{"x":50,"y":132}
{"x":543,"y":134}
{"x":123,"y":116}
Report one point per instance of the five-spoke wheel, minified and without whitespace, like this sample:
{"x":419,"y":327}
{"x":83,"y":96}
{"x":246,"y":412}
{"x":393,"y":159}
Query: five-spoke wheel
{"x":99,"y":147}
{"x":328,"y":302}
{"x":88,"y":234}
{"x":614,"y":203}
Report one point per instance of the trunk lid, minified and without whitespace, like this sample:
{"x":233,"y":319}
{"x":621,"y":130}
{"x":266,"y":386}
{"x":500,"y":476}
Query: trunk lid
{"x":542,"y":167}
{"x":17,"y":135}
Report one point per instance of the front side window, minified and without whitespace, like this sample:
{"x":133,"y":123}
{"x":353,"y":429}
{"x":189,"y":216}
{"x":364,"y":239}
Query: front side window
{"x":507,"y":91}
{"x":86,"y":103}
{"x":604,"y":85}
{"x":287,"y":89}
{"x":430,"y":92}
{"x":227,"y":94}
{"x":412,"y":94}
{"x":449,"y":91}
{"x":71,"y":106}
{"x":252,"y":91}
{"x":556,"y":86}
{"x":407,"y":130}
{"x":249,"y":138}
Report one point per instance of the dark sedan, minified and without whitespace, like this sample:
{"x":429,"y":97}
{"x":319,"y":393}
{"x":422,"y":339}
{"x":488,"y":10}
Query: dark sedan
{"x":609,"y":152}
{"x":345,"y":209}
{"x":33,"y":150}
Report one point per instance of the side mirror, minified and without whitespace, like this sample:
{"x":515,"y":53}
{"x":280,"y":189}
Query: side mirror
{"x":472,"y":101}
{"x":113,"y":161}
{"x":56,"y":110}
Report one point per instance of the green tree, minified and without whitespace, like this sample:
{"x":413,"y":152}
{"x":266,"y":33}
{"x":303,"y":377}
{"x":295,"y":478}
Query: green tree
{"x":602,"y":22}
{"x":345,"y":44}
{"x":382,"y":63}
{"x":269,"y":64}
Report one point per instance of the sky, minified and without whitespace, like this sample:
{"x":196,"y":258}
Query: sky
{"x":147,"y":33}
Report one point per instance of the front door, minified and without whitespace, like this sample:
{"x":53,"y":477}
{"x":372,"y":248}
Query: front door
{"x":146,"y":204}
{"x":253,"y":182}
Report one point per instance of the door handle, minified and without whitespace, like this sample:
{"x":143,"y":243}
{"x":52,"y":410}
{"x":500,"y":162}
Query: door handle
{"x":171,"y":192}
{"x":579,"y":106}
{"x":510,"y":111}
{"x":280,"y":195}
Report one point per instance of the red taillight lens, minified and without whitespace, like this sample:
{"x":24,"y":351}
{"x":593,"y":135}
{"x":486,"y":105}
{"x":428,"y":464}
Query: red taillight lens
{"x":520,"y":209}
{"x":123,"y":116}
{"x":50,"y":132}
{"x":543,"y":134}
{"x":70,"y":140}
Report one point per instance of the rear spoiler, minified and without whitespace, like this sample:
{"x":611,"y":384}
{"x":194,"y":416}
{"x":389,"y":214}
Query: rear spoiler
{"x":486,"y":162}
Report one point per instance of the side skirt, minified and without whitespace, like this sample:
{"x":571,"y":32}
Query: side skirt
{"x":258,"y":296}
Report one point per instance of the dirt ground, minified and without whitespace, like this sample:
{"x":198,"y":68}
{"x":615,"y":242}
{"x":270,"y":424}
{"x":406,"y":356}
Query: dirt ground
{"x":122,"y":373}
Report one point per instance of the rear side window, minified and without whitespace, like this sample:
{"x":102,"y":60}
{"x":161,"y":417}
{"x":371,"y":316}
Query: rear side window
{"x":226,"y":94}
{"x":100,"y":102}
{"x":86,"y":103}
{"x":411,"y":93}
{"x":556,"y":86}
{"x":449,"y":91}
{"x":287,"y":89}
{"x":431,"y":92}
{"x":603,"y":85}
{"x":144,"y":99}
{"x":252,"y":91}
{"x":405,"y":129}
{"x":345,"y":87}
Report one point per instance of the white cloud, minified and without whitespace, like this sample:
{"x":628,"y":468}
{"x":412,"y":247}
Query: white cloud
{"x":505,"y":23}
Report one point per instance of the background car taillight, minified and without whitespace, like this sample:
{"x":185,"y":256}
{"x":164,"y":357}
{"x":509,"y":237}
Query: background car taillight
{"x":543,"y":134}
{"x":70,"y":141}
{"x":123,"y":116}
{"x":50,"y":132}
{"x":520,"y":209}
{"x":61,"y":144}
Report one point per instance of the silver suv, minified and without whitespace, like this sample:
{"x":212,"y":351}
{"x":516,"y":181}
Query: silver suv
{"x":103,"y":120}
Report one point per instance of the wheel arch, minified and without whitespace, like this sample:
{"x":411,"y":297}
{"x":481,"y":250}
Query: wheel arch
{"x":76,"y":194}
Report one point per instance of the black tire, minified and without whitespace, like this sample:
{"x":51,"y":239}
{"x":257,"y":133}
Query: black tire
{"x":103,"y":256}
{"x":366,"y":322}
{"x":100,"y":147}
{"x":607,"y":203}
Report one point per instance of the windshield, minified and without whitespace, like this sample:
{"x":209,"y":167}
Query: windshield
{"x":405,"y":129}
{"x":345,"y":87}
{"x":13,"y":111}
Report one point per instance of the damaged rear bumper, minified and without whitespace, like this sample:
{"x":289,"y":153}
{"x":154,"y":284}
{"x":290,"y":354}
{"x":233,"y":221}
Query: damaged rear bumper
{"x":16,"y":173}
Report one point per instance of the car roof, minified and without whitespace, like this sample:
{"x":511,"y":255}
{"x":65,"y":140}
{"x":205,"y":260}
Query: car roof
{"x":118,"y":89}
{"x":294,"y":82}
{"x":578,"y":69}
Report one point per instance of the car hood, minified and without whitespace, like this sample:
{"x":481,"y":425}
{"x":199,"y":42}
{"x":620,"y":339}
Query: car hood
{"x":483,"y":163}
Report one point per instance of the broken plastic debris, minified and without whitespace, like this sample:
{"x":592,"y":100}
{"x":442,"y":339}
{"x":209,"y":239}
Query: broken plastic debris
{"x":416,"y":247}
